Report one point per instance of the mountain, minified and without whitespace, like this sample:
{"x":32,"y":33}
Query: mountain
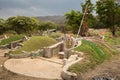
{"x":57,"y":19}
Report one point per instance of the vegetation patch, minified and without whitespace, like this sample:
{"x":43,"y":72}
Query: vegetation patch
{"x":112,"y":40}
{"x":11,"y":39}
{"x":35,"y":43}
{"x":56,"y":35}
{"x":95,"y":54}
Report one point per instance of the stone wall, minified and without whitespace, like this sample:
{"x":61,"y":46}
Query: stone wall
{"x":53,"y":50}
{"x":47,"y":52}
{"x":70,"y":52}
{"x":13,"y":44}
{"x":66,"y":75}
{"x":7,"y":46}
{"x":25,"y":54}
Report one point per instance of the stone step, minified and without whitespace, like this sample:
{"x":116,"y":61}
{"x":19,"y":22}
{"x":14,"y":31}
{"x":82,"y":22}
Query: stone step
{"x":61,"y":55}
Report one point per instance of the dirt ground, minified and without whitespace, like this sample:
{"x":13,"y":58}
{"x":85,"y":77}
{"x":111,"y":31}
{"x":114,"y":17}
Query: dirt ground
{"x":40,"y":68}
{"x":6,"y":75}
{"x":111,"y":68}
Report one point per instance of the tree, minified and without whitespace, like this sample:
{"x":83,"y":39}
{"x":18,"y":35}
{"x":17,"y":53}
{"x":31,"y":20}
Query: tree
{"x":109,"y":13}
{"x":43,"y":26}
{"x":90,"y":6}
{"x":73,"y":19}
{"x":89,"y":19}
{"x":22,"y":24}
{"x":2,"y":26}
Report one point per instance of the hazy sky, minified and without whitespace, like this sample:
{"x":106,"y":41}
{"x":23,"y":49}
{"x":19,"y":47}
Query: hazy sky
{"x":37,"y":7}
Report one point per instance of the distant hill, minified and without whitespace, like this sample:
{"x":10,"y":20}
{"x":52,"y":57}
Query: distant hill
{"x":57,"y":19}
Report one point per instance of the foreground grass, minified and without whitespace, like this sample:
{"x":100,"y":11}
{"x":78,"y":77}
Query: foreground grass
{"x":11,"y":39}
{"x":35,"y":43}
{"x":95,"y":54}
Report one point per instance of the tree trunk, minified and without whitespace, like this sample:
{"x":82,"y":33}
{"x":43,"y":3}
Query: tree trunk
{"x":113,"y":30}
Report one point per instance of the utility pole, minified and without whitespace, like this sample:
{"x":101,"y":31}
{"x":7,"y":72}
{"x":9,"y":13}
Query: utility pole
{"x":83,"y":21}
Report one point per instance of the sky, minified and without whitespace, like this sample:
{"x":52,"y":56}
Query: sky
{"x":38,"y":7}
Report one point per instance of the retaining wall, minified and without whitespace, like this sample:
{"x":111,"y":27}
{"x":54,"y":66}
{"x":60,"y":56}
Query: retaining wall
{"x":47,"y":52}
{"x":24,"y":54}
{"x":53,"y":50}
{"x":66,"y":75}
{"x":70,"y":52}
{"x":13,"y":44}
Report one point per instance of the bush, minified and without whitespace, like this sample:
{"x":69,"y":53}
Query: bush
{"x":118,"y":33}
{"x":56,"y":35}
{"x":10,"y":32}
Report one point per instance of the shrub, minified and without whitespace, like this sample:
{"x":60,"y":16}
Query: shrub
{"x":56,"y":35}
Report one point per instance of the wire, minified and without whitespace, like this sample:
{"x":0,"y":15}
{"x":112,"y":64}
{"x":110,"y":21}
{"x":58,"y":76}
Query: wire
{"x":82,"y":21}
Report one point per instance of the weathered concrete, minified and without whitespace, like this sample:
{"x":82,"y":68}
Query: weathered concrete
{"x":66,"y":75}
{"x":53,"y":50}
{"x":39,"y":68}
{"x":25,"y":54}
{"x":70,"y":52}
{"x":13,"y":44}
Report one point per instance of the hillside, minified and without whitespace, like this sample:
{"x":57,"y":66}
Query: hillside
{"x":56,"y":19}
{"x":97,"y":59}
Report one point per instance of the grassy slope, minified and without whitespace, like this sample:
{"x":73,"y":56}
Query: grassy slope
{"x":112,"y":40}
{"x":35,"y":43}
{"x":95,"y":53}
{"x":11,"y":39}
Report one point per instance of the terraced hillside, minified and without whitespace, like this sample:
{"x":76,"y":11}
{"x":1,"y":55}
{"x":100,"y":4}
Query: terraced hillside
{"x":94,"y":54}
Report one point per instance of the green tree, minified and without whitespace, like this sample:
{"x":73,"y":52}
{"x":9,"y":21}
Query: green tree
{"x":47,"y":25}
{"x":43,"y":26}
{"x":90,"y":6}
{"x":108,"y":13}
{"x":90,"y":19}
{"x":22,"y":24}
{"x":2,"y":26}
{"x":73,"y":19}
